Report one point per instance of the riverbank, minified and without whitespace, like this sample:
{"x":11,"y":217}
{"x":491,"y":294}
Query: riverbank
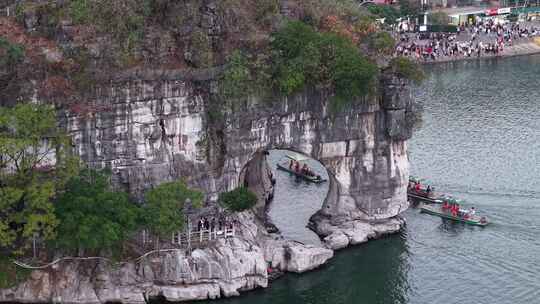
{"x":224,"y":269}
{"x":522,"y":49}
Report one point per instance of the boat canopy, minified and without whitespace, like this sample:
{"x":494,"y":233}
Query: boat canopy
{"x":452,"y":200}
{"x":297,"y":157}
{"x":416,"y":179}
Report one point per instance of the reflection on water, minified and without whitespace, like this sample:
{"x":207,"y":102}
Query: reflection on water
{"x":480,"y":142}
{"x":375,"y":274}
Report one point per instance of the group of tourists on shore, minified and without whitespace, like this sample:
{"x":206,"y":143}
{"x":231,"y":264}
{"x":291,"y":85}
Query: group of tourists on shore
{"x":471,"y":40}
{"x":215,"y":224}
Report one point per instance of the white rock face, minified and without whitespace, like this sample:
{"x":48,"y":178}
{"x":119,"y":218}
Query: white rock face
{"x":304,"y":258}
{"x":229,"y":267}
{"x":337,"y":240}
{"x":359,"y":231}
{"x":149,"y":132}
{"x":226,"y":268}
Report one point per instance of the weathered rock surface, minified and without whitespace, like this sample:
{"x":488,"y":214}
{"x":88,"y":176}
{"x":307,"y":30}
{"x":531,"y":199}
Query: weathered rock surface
{"x":305,"y":258}
{"x":356,"y":232}
{"x":152,"y":126}
{"x":223,"y":270}
{"x":149,"y":132}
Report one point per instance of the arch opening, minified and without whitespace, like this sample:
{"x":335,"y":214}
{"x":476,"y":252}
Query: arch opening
{"x":288,"y":201}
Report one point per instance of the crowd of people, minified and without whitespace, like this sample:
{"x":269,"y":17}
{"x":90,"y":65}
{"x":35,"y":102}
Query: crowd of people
{"x":215,"y":224}
{"x":417,"y":187}
{"x":471,"y":40}
{"x":456,"y":210}
{"x":302,"y":169}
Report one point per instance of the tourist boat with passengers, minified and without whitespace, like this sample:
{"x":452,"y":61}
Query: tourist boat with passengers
{"x":463,"y":216}
{"x":420,"y":193}
{"x":296,"y":164}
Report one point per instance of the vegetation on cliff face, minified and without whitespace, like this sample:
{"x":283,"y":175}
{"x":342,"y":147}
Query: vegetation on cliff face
{"x":10,"y":54}
{"x":303,"y":56}
{"x":45,"y":196}
{"x":61,"y":50}
{"x":29,"y":141}
{"x":382,"y":42}
{"x":92,"y":216}
{"x":10,"y":274}
{"x":239,"y":199}
{"x":405,"y":68}
{"x":99,"y":38}
{"x":163,"y":213}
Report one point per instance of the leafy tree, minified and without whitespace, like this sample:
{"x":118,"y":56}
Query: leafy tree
{"x":388,"y":12}
{"x":409,"y":7}
{"x":303,"y":56}
{"x":163,"y":212}
{"x":11,"y":275}
{"x":34,"y":164}
{"x":92,"y":216}
{"x":80,"y":11}
{"x":239,"y":199}
{"x":236,"y":78}
{"x":382,"y":42}
{"x":10,"y":54}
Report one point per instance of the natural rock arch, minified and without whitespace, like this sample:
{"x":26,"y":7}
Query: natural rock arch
{"x":363,"y":147}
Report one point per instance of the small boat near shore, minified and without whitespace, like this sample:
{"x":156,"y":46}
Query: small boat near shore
{"x":285,"y":165}
{"x":474,"y":220}
{"x":419,"y":193}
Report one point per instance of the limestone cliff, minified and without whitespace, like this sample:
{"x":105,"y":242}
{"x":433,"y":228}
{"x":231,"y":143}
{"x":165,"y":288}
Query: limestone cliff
{"x":153,"y":131}
{"x":166,"y":121}
{"x":224,"y":269}
{"x":148,"y":132}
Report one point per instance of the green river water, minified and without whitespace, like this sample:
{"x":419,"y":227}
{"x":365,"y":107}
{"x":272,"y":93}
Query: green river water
{"x":480,"y":141}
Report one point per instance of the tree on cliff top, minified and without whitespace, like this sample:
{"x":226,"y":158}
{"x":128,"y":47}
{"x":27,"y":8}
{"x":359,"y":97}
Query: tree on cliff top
{"x":34,"y":165}
{"x":164,"y":210}
{"x":305,"y":57}
{"x":92,"y":216}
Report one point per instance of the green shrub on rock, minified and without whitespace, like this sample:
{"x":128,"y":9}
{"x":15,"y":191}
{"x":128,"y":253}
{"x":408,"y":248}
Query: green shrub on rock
{"x":406,"y":68}
{"x":11,"y":275}
{"x":92,"y":215}
{"x":239,"y":199}
{"x":304,"y":57}
{"x":10,"y":54}
{"x":388,"y":12}
{"x":382,"y":43}
{"x":164,"y":210}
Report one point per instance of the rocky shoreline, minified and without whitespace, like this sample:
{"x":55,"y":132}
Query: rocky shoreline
{"x":225,"y":269}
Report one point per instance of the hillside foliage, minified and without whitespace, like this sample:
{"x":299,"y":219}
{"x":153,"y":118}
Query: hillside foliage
{"x":238,"y":200}
{"x":405,"y":68}
{"x":91,"y":215}
{"x":164,"y":209}
{"x":29,"y":140}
